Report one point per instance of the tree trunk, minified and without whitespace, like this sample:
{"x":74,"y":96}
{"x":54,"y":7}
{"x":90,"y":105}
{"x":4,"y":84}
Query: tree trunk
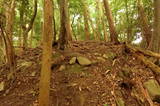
{"x":129,"y":28}
{"x":104,"y":27}
{"x":113,"y":33}
{"x":31,"y":36}
{"x":64,"y":29}
{"x":2,"y":53}
{"x":47,"y":54}
{"x":86,"y":22}
{"x":70,"y":34}
{"x":21,"y":22}
{"x":144,"y":23}
{"x":88,"y":19}
{"x":10,"y":13}
{"x":26,"y":30}
{"x":2,"y":46}
{"x":155,"y":41}
{"x":104,"y":30}
{"x":98,"y":19}
{"x":55,"y":31}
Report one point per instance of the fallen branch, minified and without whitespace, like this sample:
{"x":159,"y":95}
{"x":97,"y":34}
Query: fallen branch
{"x":139,"y":55}
{"x":145,"y":52}
{"x":148,"y":63}
{"x":145,"y":93}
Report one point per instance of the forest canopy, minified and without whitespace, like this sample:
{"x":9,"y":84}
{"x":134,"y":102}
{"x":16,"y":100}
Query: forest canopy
{"x":125,"y":13}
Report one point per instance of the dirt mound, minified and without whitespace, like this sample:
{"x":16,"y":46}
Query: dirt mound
{"x":114,"y":77}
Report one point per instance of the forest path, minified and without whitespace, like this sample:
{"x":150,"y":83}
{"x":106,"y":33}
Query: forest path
{"x":104,"y":76}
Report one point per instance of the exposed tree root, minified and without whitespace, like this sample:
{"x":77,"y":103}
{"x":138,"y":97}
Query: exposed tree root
{"x":139,"y":54}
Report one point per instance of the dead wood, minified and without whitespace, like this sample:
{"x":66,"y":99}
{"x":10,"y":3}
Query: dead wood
{"x":139,"y":54}
{"x":144,"y":92}
{"x":145,"y":52}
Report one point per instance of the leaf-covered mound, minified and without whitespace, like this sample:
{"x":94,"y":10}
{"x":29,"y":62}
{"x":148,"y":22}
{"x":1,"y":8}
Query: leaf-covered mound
{"x":86,"y":74}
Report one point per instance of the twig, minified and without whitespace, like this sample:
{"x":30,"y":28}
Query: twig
{"x":144,"y":92}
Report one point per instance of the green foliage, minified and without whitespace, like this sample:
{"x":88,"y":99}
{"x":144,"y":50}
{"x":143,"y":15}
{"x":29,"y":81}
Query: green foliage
{"x":125,"y":15}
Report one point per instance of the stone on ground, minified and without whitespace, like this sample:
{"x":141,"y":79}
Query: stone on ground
{"x":73,"y":60}
{"x":2,"y":86}
{"x":83,"y":61}
{"x":110,"y":55}
{"x":153,"y":88}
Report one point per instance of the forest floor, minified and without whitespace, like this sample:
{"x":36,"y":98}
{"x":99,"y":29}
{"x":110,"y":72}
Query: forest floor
{"x":105,"y":75}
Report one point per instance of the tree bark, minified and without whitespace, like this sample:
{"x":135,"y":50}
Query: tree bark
{"x":144,"y":52}
{"x":47,"y":54}
{"x":70,"y":33}
{"x":113,"y":33}
{"x":144,"y":23}
{"x":104,"y":27}
{"x":2,"y":46}
{"x":26,"y":30}
{"x":86,"y":21}
{"x":64,"y":29}
{"x":31,"y":36}
{"x":10,"y":13}
{"x":142,"y":58}
{"x":129,"y":28}
{"x":55,"y":31}
{"x":155,"y":40}
{"x":98,"y":19}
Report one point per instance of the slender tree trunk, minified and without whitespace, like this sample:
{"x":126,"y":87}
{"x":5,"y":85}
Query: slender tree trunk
{"x":113,"y":33}
{"x":144,"y":23}
{"x":86,"y":28}
{"x":79,"y":27}
{"x":70,"y":34}
{"x":104,"y":30}
{"x":2,"y":46}
{"x":22,"y":7}
{"x":54,"y":26}
{"x":73,"y":34}
{"x":10,"y":13}
{"x":20,"y":37}
{"x":26,"y":30}
{"x":104,"y":27}
{"x":86,"y":21}
{"x":93,"y":29}
{"x":5,"y":44}
{"x":129,"y":29}
{"x":98,"y":19}
{"x":31,"y":36}
{"x":47,"y":54}
{"x":55,"y":31}
{"x":155,"y":41}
